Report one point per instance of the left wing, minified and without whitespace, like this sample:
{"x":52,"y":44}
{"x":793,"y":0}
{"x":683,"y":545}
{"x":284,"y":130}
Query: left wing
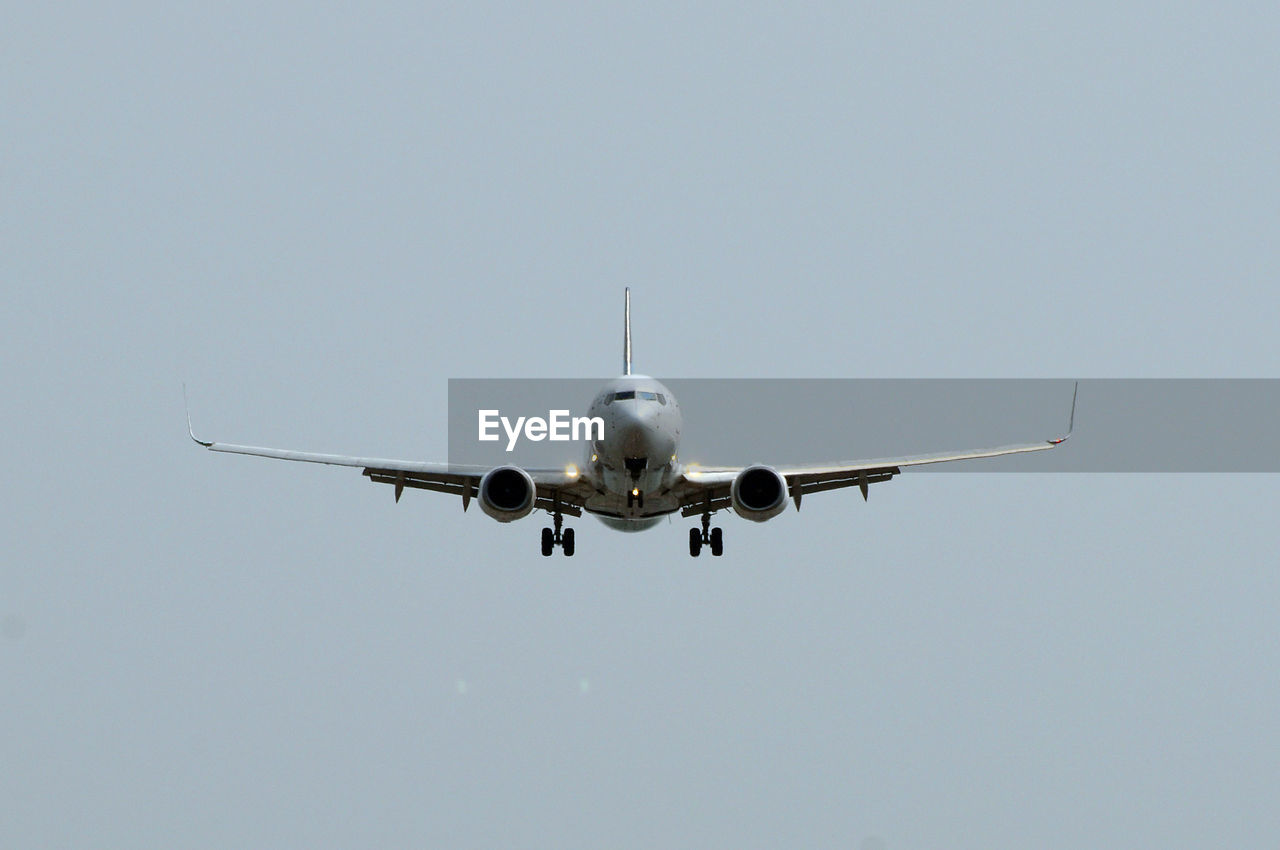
{"x":707,"y":489}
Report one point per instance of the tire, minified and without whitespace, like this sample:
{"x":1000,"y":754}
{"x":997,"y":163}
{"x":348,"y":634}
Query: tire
{"x":695,"y":542}
{"x":717,"y":543}
{"x":566,"y":542}
{"x":548,"y":541}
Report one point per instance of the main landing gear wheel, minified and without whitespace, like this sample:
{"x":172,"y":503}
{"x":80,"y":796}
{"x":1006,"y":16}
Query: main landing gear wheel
{"x":713,"y":537}
{"x":559,"y":536}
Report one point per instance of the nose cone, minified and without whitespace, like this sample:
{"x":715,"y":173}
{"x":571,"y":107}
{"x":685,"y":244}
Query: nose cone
{"x":633,"y":423}
{"x":639,"y":432}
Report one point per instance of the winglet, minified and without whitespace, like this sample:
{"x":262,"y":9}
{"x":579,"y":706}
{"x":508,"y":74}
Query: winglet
{"x":189,"y":428}
{"x":1071,"y":424}
{"x":626,"y":343}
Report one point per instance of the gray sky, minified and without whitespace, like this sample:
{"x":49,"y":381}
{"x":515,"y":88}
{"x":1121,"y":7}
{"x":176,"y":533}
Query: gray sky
{"x":316,"y":216}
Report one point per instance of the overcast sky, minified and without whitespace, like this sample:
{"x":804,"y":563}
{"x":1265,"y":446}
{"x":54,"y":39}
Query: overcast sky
{"x":316,"y":216}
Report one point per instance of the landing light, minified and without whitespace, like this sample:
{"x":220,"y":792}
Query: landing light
{"x":635,"y":491}
{"x":571,"y":471}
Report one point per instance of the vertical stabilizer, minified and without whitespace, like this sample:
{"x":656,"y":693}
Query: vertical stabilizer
{"x":626,"y":342}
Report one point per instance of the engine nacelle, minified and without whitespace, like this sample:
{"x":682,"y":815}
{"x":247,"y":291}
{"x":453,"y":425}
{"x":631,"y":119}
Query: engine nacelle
{"x":759,"y":493}
{"x":507,"y":493}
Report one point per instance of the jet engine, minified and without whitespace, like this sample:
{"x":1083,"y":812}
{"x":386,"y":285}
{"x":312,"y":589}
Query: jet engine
{"x":507,"y":493}
{"x":759,"y":493}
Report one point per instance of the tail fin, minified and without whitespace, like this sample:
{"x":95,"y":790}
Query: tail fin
{"x":626,"y":344}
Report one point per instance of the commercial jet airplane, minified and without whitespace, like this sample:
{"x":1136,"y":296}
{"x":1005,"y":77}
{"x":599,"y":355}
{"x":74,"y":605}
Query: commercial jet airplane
{"x":631,"y":478}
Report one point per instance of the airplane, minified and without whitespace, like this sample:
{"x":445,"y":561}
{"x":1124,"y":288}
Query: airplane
{"x":630,"y":478}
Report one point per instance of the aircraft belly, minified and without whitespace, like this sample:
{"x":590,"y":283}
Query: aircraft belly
{"x":629,"y":524}
{"x":613,"y":505}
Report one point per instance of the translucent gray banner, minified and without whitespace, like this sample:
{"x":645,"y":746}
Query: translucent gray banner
{"x":1121,"y":425}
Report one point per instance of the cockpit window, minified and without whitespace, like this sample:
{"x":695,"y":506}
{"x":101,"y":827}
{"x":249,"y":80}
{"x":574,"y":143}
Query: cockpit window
{"x":643,"y":395}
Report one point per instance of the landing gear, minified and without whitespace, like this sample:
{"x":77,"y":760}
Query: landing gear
{"x":711,"y":536}
{"x":635,"y":468}
{"x":562,"y":537}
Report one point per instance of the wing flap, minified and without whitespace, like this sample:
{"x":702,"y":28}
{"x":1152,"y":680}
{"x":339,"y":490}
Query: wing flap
{"x":820,"y":485}
{"x":462,"y":487}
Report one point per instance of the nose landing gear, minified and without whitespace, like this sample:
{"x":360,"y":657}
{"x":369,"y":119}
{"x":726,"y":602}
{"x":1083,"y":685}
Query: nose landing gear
{"x":635,"y":466}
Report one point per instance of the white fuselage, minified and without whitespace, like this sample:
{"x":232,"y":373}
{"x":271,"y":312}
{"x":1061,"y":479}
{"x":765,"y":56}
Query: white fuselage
{"x":636,"y":463}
